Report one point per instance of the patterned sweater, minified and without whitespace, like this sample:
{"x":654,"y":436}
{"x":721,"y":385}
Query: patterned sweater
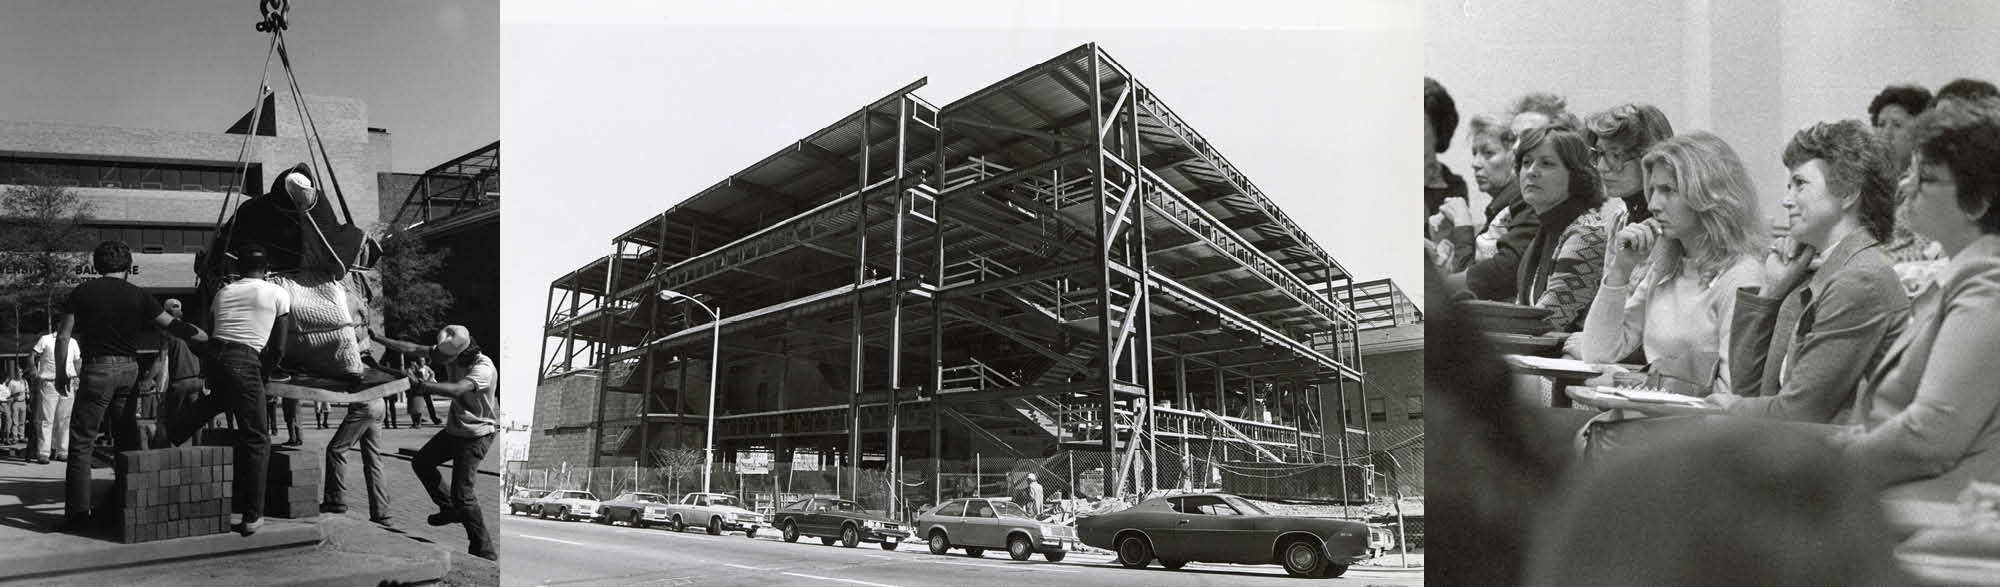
{"x":1565,"y":269}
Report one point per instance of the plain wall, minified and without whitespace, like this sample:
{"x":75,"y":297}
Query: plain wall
{"x":1751,"y":72}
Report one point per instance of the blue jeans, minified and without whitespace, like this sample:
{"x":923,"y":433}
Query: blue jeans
{"x":359,"y":426}
{"x":236,"y":379}
{"x":462,"y":499}
{"x":107,"y":385}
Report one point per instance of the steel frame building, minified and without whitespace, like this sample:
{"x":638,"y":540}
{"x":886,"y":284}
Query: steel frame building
{"x":1017,"y":268}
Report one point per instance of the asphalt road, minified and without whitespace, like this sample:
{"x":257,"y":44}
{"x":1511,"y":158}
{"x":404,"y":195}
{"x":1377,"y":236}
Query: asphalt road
{"x":553,"y":553}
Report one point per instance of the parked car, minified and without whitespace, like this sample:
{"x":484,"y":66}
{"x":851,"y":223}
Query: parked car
{"x":1224,"y":528}
{"x":637,"y":508}
{"x":839,"y":520}
{"x":523,"y":501}
{"x":978,"y":524}
{"x":715,"y":511}
{"x":567,"y":504}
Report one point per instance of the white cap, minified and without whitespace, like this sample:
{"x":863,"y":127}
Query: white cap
{"x":453,"y":339}
{"x":301,"y":189}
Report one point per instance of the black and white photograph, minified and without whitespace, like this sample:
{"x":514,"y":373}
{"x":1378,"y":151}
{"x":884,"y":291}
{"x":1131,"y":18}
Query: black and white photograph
{"x":249,"y":255}
{"x":1713,"y":290}
{"x":1079,"y":293}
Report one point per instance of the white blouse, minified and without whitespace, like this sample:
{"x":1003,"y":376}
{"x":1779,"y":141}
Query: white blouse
{"x":1668,"y":320}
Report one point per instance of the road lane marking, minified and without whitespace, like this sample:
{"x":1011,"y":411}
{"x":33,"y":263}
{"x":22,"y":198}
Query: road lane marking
{"x":877,"y":556}
{"x":569,"y":542}
{"x":837,"y":579}
{"x":745,"y":567}
{"x":1030,"y":566}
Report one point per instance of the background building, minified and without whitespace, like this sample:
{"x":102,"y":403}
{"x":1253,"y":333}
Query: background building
{"x":1054,"y":274}
{"x":163,"y":191}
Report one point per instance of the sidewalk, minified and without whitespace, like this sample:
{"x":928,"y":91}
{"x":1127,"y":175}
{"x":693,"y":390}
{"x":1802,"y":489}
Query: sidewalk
{"x":31,"y":508}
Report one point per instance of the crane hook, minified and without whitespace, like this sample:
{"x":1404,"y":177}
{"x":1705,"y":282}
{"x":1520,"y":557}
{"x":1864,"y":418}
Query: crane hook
{"x":274,"y":15}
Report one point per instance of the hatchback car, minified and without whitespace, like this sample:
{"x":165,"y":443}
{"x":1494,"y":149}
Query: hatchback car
{"x":979,"y":524}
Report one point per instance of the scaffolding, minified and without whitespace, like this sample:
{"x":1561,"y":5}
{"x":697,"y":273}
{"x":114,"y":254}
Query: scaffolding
{"x":1054,"y":267}
{"x":463,"y":190}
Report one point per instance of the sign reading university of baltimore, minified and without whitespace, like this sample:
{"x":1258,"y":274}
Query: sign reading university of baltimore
{"x":156,"y":270}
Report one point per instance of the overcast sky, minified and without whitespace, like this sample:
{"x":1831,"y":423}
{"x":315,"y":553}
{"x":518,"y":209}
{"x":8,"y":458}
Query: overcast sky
{"x":429,"y":70}
{"x":608,"y":125}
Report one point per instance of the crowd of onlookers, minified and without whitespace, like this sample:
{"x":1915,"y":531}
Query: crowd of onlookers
{"x":1863,"y":319}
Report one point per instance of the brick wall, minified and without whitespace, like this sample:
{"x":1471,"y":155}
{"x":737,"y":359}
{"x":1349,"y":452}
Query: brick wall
{"x":342,"y":123}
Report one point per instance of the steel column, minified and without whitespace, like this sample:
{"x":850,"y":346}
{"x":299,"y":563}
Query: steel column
{"x":937,"y":322}
{"x":603,"y":352}
{"x":855,"y":381}
{"x":896,"y":316}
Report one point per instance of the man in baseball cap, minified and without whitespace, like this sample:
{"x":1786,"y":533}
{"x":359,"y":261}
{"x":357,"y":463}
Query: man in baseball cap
{"x":468,"y":377}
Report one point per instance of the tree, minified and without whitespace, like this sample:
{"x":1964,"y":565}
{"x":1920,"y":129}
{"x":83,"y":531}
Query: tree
{"x":42,"y":234}
{"x":676,"y":463}
{"x":413,"y":305}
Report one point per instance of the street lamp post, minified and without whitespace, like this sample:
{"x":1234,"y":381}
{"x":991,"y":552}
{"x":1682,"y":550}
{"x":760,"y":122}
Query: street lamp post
{"x":714,"y":358}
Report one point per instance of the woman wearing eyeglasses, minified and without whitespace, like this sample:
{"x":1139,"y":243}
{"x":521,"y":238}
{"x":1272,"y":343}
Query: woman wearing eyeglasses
{"x":1618,"y":137}
{"x":1669,"y":282}
{"x":1932,"y":412}
{"x":1840,"y":204}
{"x":1561,"y":266}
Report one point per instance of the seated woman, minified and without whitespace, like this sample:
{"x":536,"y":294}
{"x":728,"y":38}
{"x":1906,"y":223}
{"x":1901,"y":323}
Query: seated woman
{"x":1561,"y":266}
{"x":1840,"y":203}
{"x":1617,"y":138}
{"x":1932,"y":407}
{"x":1669,"y":282}
{"x":1448,"y":225}
{"x":1493,"y":171}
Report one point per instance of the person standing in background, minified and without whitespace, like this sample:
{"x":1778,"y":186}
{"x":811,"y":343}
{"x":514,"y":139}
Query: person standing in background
{"x":53,"y":402}
{"x":424,"y":373}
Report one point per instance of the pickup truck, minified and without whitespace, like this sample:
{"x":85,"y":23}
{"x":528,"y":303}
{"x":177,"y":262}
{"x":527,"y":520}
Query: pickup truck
{"x":716,"y":512}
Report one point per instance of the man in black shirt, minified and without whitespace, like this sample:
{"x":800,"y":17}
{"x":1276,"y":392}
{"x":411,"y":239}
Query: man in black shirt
{"x":105,"y":316}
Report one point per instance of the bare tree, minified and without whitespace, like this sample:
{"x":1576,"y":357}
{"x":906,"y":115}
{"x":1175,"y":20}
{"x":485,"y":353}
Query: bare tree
{"x":43,"y":235}
{"x":677,"y":462}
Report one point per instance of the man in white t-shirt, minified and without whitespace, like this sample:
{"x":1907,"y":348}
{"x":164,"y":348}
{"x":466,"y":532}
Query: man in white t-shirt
{"x":469,"y":378}
{"x":53,"y":400}
{"x":252,"y":321}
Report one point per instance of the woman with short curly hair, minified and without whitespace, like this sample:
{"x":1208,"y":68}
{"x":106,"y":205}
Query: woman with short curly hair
{"x":1617,"y":138}
{"x":1840,"y":204}
{"x":1932,"y":420}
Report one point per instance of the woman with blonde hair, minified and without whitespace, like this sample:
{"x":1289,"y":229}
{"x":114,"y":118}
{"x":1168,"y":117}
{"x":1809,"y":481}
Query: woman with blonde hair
{"x":1669,"y":282}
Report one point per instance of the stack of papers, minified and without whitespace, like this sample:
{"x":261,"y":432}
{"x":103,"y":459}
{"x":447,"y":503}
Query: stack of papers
{"x":1533,"y":362}
{"x":1651,"y":396}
